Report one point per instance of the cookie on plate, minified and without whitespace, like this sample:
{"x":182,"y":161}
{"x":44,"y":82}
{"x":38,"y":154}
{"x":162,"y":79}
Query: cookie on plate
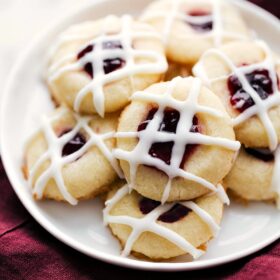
{"x":255,"y":175}
{"x":175,"y":141}
{"x":146,"y":227}
{"x":70,"y":158}
{"x":190,"y":27}
{"x":96,"y":66}
{"x":245,"y":76}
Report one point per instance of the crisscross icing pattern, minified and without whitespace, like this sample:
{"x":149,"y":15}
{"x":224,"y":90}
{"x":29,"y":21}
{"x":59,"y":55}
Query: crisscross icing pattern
{"x":149,"y":223}
{"x":183,"y":136}
{"x":261,"y":107}
{"x":57,"y":161}
{"x":218,"y":33}
{"x":156,"y":62}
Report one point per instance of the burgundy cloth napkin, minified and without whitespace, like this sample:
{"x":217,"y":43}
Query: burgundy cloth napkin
{"x":27,"y":251}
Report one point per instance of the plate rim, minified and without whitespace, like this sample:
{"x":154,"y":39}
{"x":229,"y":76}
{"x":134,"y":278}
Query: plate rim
{"x":63,"y":237}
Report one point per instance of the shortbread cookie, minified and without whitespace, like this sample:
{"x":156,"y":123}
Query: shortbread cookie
{"x":245,"y":76}
{"x":70,"y":158}
{"x":146,"y":227}
{"x":255,"y":175}
{"x":175,"y":141}
{"x":96,"y":66}
{"x":190,"y":27}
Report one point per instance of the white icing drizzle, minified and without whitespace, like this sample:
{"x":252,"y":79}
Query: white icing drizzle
{"x":57,"y":161}
{"x":207,"y":218}
{"x":149,"y":223}
{"x":126,"y":36}
{"x":222,"y":195}
{"x":168,"y":19}
{"x":275,"y":184}
{"x":261,"y":107}
{"x":218,"y":33}
{"x":188,"y":109}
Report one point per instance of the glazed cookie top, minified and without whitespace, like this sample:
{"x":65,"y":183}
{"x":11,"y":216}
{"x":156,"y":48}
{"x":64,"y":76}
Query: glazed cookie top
{"x":151,"y":216}
{"x":190,"y":27}
{"x":68,"y":137}
{"x":103,"y":54}
{"x":245,"y":75}
{"x":170,"y":119}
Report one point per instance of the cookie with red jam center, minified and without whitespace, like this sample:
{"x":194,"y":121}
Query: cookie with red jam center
{"x":245,"y":76}
{"x":191,"y":27}
{"x":182,"y":221}
{"x":71,"y":160}
{"x":97,"y":65}
{"x":155,"y":142}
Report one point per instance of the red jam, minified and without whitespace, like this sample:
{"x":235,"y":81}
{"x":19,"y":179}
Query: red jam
{"x":201,"y":27}
{"x":74,"y":145}
{"x":163,"y":150}
{"x":259,"y":80}
{"x":176,"y":213}
{"x":109,"y":65}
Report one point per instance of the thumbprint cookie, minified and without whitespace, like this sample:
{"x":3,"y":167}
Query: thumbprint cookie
{"x":70,"y":158}
{"x":144,"y":226}
{"x":190,"y":27}
{"x":245,"y":76}
{"x":175,"y":141}
{"x":96,"y":66}
{"x":255,"y":175}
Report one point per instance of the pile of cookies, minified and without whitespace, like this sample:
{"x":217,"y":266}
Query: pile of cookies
{"x":161,"y":116}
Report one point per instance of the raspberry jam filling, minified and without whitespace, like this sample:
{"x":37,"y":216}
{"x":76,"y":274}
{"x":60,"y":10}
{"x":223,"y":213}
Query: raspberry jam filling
{"x":176,"y":213}
{"x":110,"y":64}
{"x":163,"y":150}
{"x":206,"y":25}
{"x":75,"y":144}
{"x":147,"y":205}
{"x":262,"y":154}
{"x":259,"y":80}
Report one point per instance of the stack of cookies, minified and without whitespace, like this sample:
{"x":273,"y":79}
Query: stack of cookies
{"x":161,"y":116}
{"x":246,"y":81}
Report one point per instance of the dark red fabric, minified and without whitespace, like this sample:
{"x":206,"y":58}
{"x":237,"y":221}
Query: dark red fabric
{"x":27,"y":251}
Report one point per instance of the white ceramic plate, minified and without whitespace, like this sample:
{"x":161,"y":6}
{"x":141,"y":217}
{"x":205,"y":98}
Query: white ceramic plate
{"x":244,"y":229}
